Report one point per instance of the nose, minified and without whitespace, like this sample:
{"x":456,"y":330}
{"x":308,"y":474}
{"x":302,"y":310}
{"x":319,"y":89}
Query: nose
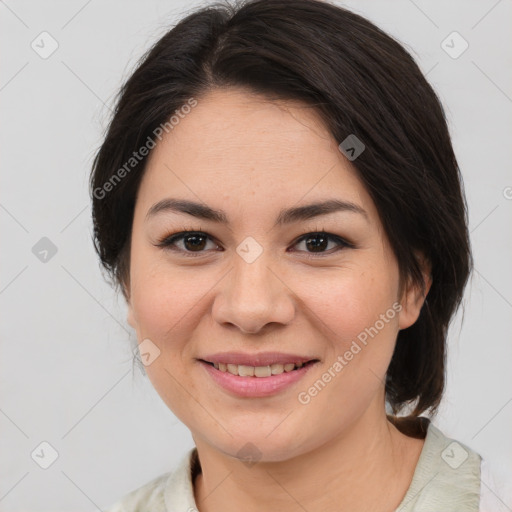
{"x":252,"y":296}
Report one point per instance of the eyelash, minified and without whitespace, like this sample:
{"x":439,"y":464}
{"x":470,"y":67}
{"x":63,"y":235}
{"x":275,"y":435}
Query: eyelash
{"x":168,"y":241}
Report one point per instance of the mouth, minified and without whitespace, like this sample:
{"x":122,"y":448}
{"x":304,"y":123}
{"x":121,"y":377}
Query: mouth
{"x":268,"y":375}
{"x":269,"y":370}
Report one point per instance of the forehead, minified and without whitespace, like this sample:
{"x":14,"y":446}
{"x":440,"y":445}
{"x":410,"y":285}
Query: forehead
{"x":237,"y":144}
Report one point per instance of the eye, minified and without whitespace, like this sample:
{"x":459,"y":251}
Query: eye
{"x":195,"y":243}
{"x":190,"y":243}
{"x":316,"y":243}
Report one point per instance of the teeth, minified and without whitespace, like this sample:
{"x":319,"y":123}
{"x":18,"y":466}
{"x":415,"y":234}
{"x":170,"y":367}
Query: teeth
{"x":276,"y":369}
{"x":262,"y":371}
{"x":257,"y":371}
{"x":246,"y":371}
{"x":233,"y":368}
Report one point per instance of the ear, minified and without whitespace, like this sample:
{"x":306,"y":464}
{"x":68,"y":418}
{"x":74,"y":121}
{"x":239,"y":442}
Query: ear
{"x":413,"y":297}
{"x":130,"y":317}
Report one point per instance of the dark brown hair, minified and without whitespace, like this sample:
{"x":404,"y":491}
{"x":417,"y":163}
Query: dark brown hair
{"x":362,"y":82}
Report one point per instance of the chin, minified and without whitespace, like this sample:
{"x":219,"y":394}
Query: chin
{"x":253,"y":446}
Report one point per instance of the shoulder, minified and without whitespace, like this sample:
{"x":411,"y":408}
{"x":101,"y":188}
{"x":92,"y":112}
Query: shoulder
{"x":450,"y":476}
{"x":149,"y":496}
{"x":446,"y":477}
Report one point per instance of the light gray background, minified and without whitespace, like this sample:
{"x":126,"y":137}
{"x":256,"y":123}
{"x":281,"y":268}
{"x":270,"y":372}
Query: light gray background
{"x":66,"y":374}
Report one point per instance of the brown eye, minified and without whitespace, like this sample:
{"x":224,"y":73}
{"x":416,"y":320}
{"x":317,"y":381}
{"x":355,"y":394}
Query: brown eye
{"x":318,"y":243}
{"x":194,"y":242}
{"x":187,"y":242}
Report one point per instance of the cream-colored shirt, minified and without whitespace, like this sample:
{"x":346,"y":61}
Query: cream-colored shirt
{"x":447,"y":478}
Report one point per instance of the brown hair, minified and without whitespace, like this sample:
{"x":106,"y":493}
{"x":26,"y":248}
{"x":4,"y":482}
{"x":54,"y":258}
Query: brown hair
{"x":362,"y":82}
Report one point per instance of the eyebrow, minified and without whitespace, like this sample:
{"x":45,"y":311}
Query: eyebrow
{"x":286,"y":216}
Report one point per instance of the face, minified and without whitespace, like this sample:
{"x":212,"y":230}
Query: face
{"x":265,"y":279}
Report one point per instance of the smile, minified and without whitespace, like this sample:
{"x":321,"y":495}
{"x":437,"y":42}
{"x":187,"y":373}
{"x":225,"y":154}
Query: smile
{"x":257,"y":371}
{"x":243,"y":381}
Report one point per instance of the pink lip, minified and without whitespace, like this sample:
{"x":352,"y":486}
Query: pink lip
{"x":261,"y":359}
{"x":255,"y":387}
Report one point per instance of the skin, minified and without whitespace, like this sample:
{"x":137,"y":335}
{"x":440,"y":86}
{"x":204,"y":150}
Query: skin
{"x":250,"y":157}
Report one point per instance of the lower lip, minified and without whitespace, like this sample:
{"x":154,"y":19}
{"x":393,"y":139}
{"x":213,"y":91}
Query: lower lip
{"x":256,"y":387}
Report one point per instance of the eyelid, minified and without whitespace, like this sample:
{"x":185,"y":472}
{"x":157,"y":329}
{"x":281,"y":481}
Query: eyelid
{"x":343,"y":243}
{"x":167,"y":242}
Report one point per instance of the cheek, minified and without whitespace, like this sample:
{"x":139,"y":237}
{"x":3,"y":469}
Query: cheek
{"x":357,"y":315}
{"x":167,"y":306}
{"x":348,"y":302}
{"x":165,"y":301}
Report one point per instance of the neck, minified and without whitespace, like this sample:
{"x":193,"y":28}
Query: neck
{"x":368,"y":467}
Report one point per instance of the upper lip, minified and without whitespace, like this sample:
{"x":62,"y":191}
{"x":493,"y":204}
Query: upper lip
{"x":261,"y":359}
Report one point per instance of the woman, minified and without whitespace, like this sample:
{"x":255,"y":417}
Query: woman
{"x":278,"y":199}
